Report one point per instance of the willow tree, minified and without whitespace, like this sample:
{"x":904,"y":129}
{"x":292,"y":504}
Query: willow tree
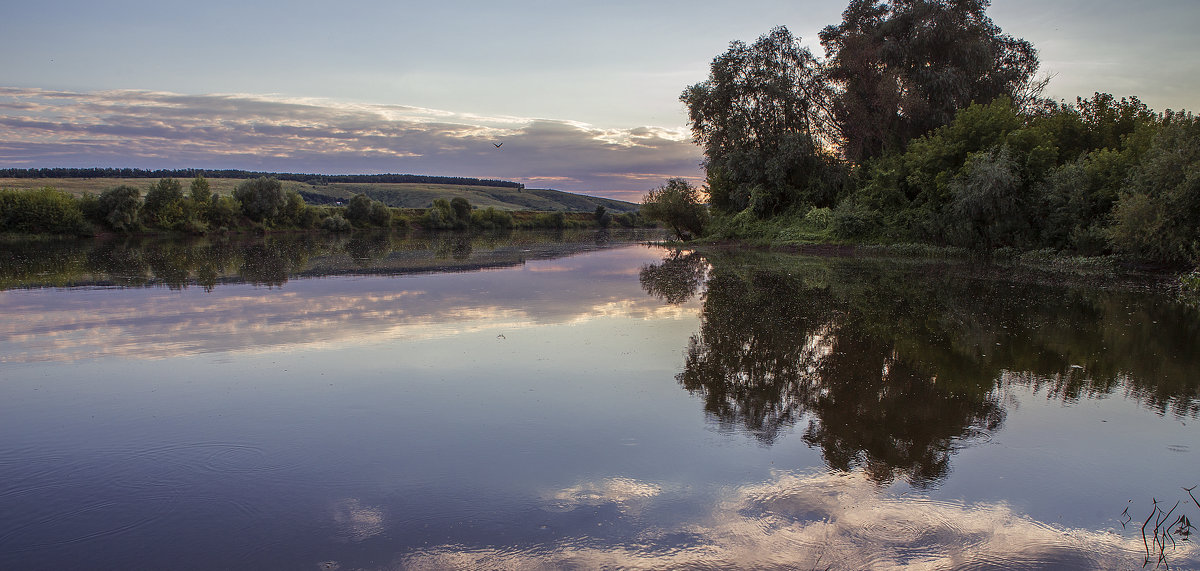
{"x":763,"y":119}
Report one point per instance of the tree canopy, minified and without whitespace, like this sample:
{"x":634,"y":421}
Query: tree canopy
{"x":905,"y":67}
{"x":762,"y":118}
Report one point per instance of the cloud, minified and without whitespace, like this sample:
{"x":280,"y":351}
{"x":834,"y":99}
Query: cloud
{"x":807,"y":521}
{"x":147,"y":129}
{"x":356,"y":522}
{"x":45,"y":325}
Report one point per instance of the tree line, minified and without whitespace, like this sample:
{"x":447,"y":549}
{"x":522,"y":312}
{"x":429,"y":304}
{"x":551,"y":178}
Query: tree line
{"x":316,"y":179}
{"x":925,"y":122}
{"x":257,"y":205}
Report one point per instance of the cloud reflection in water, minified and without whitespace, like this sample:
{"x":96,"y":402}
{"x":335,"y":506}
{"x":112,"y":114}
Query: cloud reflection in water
{"x":809,"y":521}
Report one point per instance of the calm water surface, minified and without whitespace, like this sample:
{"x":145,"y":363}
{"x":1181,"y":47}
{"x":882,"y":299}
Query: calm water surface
{"x":582,"y":401}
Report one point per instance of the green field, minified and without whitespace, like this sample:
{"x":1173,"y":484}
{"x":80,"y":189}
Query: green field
{"x":399,"y":195}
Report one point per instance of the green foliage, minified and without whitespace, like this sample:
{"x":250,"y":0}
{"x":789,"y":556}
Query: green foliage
{"x":906,"y":67}
{"x":491,"y":219}
{"x":441,"y":216}
{"x":989,"y":207}
{"x":1157,"y":216}
{"x":852,"y":220}
{"x":42,"y":211}
{"x":362,"y":211}
{"x":262,"y":199}
{"x":994,"y":178}
{"x":461,"y":208}
{"x":336,"y":223}
{"x":602,"y":217}
{"x":163,"y":206}
{"x":200,"y":191}
{"x":118,"y":208}
{"x":380,"y":215}
{"x":358,"y":209}
{"x":677,"y":204}
{"x":551,"y":220}
{"x":224,"y":212}
{"x":761,"y":119}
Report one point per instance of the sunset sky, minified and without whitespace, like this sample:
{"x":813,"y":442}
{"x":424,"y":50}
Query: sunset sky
{"x":584,"y":95}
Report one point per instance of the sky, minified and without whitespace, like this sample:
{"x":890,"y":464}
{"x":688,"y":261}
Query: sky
{"x":582,"y":94}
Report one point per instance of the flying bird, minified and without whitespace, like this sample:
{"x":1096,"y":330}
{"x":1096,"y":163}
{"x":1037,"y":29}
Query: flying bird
{"x":497,"y":145}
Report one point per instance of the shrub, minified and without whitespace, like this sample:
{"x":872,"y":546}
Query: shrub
{"x":119,"y":207}
{"x":336,"y":223}
{"x":358,"y":209}
{"x":851,"y":220}
{"x":1158,"y":214}
{"x":552,"y":220}
{"x":379,"y":215}
{"x":45,"y":210}
{"x":491,"y":219}
{"x":261,"y":199}
{"x":224,"y":211}
{"x":677,"y":204}
{"x":461,"y":208}
{"x":163,"y":206}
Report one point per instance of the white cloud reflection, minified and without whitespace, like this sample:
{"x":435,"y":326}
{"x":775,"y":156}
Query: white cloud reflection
{"x":623,"y":492}
{"x":150,"y":323}
{"x":357,"y":522}
{"x":148,"y":129}
{"x":816,"y":521}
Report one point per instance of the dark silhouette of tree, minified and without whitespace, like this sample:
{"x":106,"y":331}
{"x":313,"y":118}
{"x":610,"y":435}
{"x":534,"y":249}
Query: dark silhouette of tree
{"x":676,"y":279}
{"x":763,"y":119}
{"x":905,"y":67}
{"x":678,"y":205}
{"x":777,"y":345}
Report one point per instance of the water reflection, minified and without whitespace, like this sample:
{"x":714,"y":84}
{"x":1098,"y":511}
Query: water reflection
{"x":810,"y":521}
{"x":138,"y":300}
{"x":179,"y":263}
{"x":893,"y":367}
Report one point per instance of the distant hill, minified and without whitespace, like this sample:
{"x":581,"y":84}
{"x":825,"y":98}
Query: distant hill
{"x":402,"y":191}
{"x":403,"y":195}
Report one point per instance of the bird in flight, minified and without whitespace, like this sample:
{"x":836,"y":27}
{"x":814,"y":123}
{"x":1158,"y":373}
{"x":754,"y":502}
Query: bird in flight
{"x":497,"y":145}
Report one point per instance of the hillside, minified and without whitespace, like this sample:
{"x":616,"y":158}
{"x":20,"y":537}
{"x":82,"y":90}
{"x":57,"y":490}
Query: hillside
{"x":402,"y":195}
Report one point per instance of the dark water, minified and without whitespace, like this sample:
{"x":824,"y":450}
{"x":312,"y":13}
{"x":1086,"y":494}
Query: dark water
{"x":583,"y":401}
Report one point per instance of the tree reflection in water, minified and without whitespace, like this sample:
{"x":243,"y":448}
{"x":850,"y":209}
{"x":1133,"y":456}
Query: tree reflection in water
{"x":895,"y":367}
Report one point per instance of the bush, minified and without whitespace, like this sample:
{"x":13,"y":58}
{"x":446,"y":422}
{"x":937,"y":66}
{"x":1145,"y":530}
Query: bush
{"x":552,"y":220}
{"x":358,"y":209}
{"x":989,"y":208}
{"x":224,"y":212}
{"x":1158,"y":214}
{"x":42,"y":211}
{"x":262,"y":199}
{"x":602,"y":217}
{"x":119,"y":207}
{"x":163,"y":207}
{"x":850,"y":220}
{"x":677,"y":204}
{"x":336,"y":223}
{"x":440,"y":216}
{"x":491,"y":219}
{"x":461,"y":208}
{"x":380,"y":215}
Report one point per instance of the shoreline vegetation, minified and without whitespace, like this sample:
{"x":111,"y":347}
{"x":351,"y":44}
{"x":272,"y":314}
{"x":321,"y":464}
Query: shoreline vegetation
{"x":263,"y":205}
{"x":923,"y":131}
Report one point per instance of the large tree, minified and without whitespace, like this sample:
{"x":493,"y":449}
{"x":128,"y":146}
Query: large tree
{"x":762,"y":118}
{"x":904,"y":67}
